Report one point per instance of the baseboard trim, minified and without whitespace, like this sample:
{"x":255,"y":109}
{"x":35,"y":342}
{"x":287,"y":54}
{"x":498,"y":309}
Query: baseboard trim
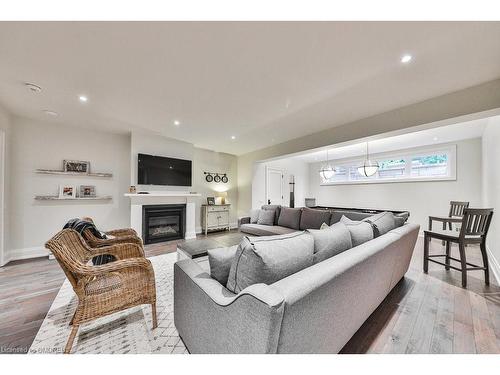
{"x":28,"y":253}
{"x":494,"y":265}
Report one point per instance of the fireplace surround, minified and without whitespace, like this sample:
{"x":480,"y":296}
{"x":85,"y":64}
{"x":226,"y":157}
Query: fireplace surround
{"x":164,"y":222}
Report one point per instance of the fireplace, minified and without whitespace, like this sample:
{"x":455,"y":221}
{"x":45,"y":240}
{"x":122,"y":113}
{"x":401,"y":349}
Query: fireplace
{"x":162,"y":223}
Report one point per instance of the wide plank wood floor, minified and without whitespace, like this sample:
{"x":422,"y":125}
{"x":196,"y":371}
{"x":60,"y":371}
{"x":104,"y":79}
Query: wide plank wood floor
{"x":424,"y":313}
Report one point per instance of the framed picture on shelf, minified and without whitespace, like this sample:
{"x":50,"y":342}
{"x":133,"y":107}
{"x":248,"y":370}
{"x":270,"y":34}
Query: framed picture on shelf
{"x":211,"y":201}
{"x":87,"y":191}
{"x":76,"y":166}
{"x":67,"y":192}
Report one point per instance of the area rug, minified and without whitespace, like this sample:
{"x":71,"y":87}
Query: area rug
{"x":125,"y":332}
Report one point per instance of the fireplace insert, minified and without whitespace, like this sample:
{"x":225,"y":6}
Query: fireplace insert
{"x":162,"y":223}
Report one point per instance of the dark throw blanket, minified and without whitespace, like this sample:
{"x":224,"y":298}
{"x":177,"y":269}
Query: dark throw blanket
{"x":80,"y":226}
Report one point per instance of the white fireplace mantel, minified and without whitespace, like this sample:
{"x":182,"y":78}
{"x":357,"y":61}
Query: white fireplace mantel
{"x":163,"y":197}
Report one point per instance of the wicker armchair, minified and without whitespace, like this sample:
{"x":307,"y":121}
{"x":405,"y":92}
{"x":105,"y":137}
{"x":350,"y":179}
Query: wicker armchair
{"x":106,"y":289}
{"x":126,"y":235}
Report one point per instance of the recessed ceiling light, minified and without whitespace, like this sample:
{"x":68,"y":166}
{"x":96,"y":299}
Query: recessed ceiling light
{"x":83,"y":98}
{"x":177,"y":123}
{"x":233,"y":137}
{"x":48,"y":112}
{"x":406,"y":59}
{"x":33,"y":88}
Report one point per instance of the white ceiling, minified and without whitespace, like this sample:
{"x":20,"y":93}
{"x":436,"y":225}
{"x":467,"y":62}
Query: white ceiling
{"x":264,"y":83}
{"x":428,"y":137}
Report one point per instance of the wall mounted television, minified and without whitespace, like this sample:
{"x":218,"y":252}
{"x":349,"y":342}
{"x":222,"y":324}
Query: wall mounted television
{"x":158,"y":170}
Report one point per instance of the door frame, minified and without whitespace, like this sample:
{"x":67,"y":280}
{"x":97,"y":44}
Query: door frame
{"x":272,"y":169}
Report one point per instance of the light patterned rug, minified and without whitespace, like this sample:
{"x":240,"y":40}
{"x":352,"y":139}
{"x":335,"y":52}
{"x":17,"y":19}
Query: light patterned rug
{"x":125,"y":332}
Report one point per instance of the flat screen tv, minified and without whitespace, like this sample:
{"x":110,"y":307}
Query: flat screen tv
{"x":158,"y":170}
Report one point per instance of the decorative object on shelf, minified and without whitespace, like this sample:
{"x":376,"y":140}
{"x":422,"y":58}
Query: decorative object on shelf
{"x":369,"y":167}
{"x":132,"y":189}
{"x":292,"y":191}
{"x":76,"y":166}
{"x":67,"y":192}
{"x":222,"y":195}
{"x":326,"y":170}
{"x":87,"y":191}
{"x":216,"y":177}
{"x":211,"y":201}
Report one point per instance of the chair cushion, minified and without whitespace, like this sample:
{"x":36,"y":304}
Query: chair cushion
{"x":274,"y":207}
{"x":254,"y":215}
{"x":361,"y":231}
{"x":330,"y":241}
{"x":312,"y":219}
{"x":269,"y":259}
{"x":265,"y":230}
{"x":290,"y":217}
{"x":220,"y":262}
{"x":382,"y":223}
{"x":266,"y":217}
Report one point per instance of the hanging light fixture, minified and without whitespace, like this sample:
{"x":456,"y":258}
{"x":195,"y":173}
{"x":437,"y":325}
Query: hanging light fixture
{"x":369,"y":167}
{"x":326,"y":170}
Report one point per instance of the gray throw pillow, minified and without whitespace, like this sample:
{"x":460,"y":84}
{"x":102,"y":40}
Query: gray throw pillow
{"x":254,"y":215}
{"x":274,"y":207}
{"x":269,"y":259}
{"x":266,"y":217}
{"x":220,"y":261}
{"x":361,"y":231}
{"x":312,"y":219}
{"x":290,"y":217}
{"x":324,"y":226}
{"x":330,"y":241}
{"x":381,"y":223}
{"x":401,"y":218}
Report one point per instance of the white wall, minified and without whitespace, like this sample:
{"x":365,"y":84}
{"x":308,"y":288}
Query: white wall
{"x":35,"y":145}
{"x":5,"y":127}
{"x":420,"y":198}
{"x":203,"y":160}
{"x":491,"y":188}
{"x":300,"y":170}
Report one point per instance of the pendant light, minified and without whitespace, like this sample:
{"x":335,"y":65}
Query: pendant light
{"x":369,"y":167}
{"x":326,"y":170}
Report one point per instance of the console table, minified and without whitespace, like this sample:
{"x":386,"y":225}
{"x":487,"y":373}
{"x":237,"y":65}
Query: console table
{"x":215,"y":217}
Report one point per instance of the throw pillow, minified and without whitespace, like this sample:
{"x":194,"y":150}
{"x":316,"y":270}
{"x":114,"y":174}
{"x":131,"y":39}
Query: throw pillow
{"x":324,"y":226}
{"x":266,"y":217}
{"x":381,"y":223}
{"x":220,"y":261}
{"x":290,"y":217}
{"x":254,"y":215}
{"x":269,"y":259}
{"x":361,"y":231}
{"x":331,"y":241}
{"x":312,"y":219}
{"x":274,"y":207}
{"x":401,"y":218}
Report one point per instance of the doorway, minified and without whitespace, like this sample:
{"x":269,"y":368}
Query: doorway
{"x":274,"y":186}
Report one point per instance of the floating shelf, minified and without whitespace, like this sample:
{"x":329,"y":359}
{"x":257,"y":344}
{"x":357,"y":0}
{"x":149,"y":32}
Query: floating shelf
{"x":56,"y":198}
{"x":52,"y":171}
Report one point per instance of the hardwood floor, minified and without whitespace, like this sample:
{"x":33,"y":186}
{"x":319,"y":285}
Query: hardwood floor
{"x":424,"y":313}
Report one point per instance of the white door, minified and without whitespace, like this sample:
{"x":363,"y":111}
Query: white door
{"x":274,"y":186}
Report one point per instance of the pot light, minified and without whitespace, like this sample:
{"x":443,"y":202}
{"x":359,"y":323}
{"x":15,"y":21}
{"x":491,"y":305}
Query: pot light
{"x":177,"y":122}
{"x":33,"y":88}
{"x":48,"y":112}
{"x":406,"y":59}
{"x":83,"y":98}
{"x":233,"y":137}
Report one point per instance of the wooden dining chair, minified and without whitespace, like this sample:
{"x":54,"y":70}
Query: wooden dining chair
{"x":474,"y":228}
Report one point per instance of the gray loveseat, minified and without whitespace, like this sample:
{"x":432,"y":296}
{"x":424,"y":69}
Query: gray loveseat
{"x":315,"y":310}
{"x":288,"y":220}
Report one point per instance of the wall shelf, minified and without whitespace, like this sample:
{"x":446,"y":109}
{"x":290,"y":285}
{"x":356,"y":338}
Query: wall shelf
{"x":57,"y":172}
{"x":56,"y":198}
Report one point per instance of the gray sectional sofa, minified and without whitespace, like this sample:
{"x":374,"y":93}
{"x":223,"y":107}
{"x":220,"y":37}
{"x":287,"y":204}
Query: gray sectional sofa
{"x":315,"y":310}
{"x":288,"y":220}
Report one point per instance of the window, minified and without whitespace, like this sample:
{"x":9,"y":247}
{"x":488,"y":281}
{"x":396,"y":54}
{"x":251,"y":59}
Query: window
{"x":423,"y":164}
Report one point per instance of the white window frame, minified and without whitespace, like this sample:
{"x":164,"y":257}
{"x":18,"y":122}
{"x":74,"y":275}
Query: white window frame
{"x":407,"y":154}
